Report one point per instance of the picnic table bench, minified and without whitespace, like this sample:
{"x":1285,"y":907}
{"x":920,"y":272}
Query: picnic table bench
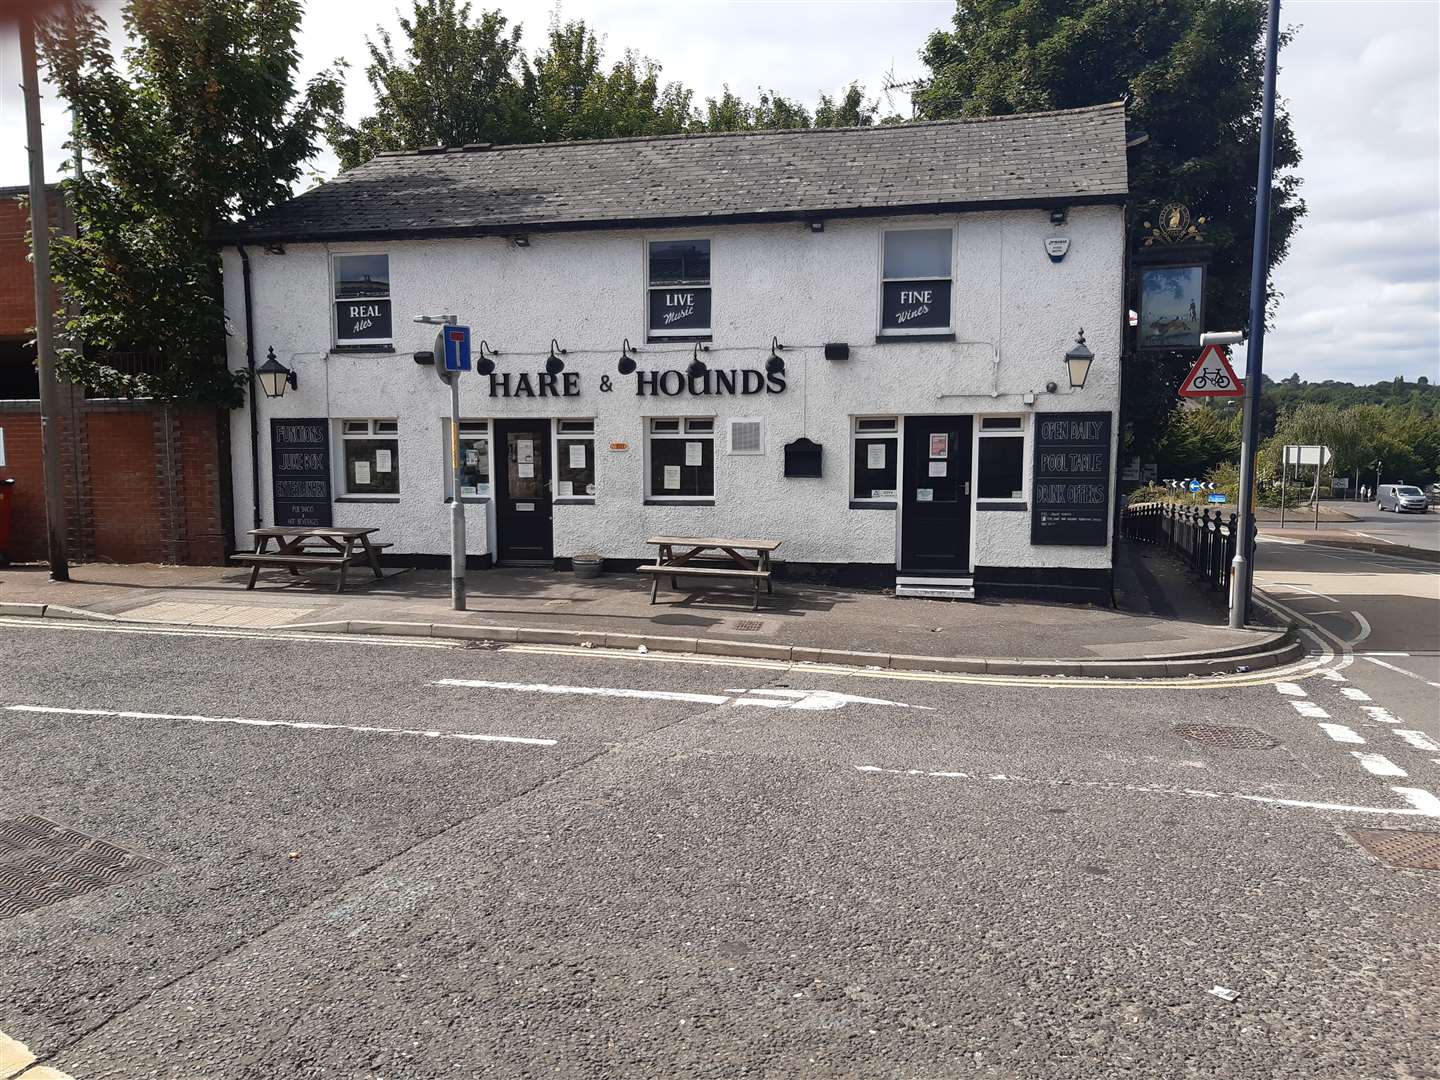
{"x":304,"y":547}
{"x":754,"y":568}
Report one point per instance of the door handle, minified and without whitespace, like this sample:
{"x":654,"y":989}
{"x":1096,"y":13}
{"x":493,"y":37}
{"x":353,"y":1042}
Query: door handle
{"x":966,"y":488}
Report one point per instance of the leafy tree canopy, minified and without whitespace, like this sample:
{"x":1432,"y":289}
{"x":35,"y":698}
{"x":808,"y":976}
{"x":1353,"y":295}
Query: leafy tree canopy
{"x":1190,"y":74}
{"x":203,"y":124}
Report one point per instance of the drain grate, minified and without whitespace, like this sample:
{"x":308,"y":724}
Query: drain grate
{"x":42,"y":863}
{"x":1401,"y":847}
{"x":1227,"y":737}
{"x":749,"y":624}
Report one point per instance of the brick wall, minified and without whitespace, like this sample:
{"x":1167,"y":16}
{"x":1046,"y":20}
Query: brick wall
{"x":17,"y":282}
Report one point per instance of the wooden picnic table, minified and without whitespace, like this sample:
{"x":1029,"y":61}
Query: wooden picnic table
{"x":300,"y":547}
{"x":747,"y":567}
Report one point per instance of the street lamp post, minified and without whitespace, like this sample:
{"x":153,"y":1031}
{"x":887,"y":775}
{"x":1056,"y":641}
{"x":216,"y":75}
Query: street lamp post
{"x":457,"y":504}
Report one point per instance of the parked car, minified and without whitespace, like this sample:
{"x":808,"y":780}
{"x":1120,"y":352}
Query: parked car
{"x":1401,"y":498}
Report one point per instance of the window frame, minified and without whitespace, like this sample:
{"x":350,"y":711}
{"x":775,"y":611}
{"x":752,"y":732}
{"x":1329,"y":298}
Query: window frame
{"x":1020,"y":434}
{"x":573,"y":430}
{"x":652,"y":335}
{"x":883,"y":332}
{"x":683,"y":432}
{"x":890,"y":434}
{"x":347,"y":431}
{"x":359,"y":343}
{"x":486,"y":431}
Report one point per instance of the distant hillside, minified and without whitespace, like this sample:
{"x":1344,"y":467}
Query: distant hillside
{"x":1283,"y":396}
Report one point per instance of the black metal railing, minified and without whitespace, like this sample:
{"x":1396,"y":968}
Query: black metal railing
{"x":1204,"y":539}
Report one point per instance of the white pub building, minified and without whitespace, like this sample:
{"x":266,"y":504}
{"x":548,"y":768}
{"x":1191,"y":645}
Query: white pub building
{"x":859,"y":342}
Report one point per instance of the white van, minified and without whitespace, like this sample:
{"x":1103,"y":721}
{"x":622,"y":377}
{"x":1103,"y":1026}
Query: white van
{"x":1401,"y":498}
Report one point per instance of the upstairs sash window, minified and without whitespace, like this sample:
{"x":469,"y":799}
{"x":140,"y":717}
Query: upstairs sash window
{"x":915,"y":282}
{"x":362,"y":300}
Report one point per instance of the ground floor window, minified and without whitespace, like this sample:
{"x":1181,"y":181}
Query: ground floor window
{"x":876,"y":458}
{"x":1001,"y":459}
{"x":474,"y":459}
{"x":370,"y":456}
{"x":681,"y":455}
{"x":575,"y":459}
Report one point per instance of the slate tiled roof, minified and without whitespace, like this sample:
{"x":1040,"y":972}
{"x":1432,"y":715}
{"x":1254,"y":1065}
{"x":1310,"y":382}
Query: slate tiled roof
{"x":1069,"y":156}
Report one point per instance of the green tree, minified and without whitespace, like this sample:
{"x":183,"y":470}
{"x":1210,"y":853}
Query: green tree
{"x":459,"y":80}
{"x":203,"y":123}
{"x":1190,"y":74}
{"x":850,"y":110}
{"x":1196,"y":440}
{"x":729,"y":112}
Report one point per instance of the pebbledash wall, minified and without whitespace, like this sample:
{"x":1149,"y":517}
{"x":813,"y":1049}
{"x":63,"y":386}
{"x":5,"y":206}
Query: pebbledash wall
{"x":1016,"y":312}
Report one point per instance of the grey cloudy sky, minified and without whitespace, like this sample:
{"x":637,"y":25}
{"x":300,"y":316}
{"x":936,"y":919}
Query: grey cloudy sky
{"x":1361,"y":285}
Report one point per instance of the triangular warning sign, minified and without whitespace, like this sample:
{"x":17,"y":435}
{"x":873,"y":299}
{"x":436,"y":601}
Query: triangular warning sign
{"x":1212,"y":376}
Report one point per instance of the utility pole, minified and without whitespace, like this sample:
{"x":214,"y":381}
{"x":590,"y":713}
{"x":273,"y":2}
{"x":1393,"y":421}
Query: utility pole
{"x":44,"y":309}
{"x":457,"y":503}
{"x":1242,"y":573}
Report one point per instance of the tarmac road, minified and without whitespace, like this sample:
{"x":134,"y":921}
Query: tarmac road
{"x":709,"y":869}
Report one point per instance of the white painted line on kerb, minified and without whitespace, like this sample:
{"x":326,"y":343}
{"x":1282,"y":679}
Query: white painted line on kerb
{"x":1341,"y":733}
{"x":1418,"y":739}
{"x":1380,"y":714}
{"x":1422,"y":803}
{"x":1310,"y":709}
{"x":1290,"y":689}
{"x":1378,"y":764}
{"x":1354,"y":693}
{"x":304,"y":726}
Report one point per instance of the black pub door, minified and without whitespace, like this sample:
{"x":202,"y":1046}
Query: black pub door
{"x":522,"y":492}
{"x":935,"y":496}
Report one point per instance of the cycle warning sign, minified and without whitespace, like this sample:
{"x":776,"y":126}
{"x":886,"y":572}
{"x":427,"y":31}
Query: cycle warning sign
{"x":1212,"y":376}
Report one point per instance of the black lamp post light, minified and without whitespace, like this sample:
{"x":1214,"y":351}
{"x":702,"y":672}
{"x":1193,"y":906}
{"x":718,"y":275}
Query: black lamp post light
{"x":697,"y":366}
{"x":486,"y":364}
{"x":1078,"y":360}
{"x":274,"y":376}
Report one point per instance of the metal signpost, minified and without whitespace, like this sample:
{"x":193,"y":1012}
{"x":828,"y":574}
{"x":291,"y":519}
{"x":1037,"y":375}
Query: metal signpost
{"x":451,"y":357}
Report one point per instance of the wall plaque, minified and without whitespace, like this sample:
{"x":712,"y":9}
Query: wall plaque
{"x":1071,"y":473}
{"x":300,"y":471}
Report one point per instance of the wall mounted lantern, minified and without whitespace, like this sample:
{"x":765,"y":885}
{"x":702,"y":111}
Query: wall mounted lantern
{"x":697,"y":366}
{"x":553,"y":364}
{"x":627,"y":362}
{"x":1078,"y":360}
{"x":776,"y":364}
{"x":275,"y":377}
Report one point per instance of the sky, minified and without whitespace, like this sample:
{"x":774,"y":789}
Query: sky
{"x":1360,"y":288}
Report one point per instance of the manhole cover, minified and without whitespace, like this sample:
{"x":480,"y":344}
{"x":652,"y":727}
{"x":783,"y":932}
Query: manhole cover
{"x":42,"y":863}
{"x":749,"y":624}
{"x":1400,"y":847}
{"x":1223,"y":735}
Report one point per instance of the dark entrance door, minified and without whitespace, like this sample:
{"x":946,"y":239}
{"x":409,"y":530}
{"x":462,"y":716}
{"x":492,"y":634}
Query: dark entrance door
{"x":522,"y":492}
{"x":935,"y":496}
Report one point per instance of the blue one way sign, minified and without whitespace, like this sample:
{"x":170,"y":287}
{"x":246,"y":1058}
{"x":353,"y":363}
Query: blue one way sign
{"x":457,"y":348}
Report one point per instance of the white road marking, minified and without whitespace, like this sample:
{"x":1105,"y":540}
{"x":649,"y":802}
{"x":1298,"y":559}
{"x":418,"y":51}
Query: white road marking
{"x":1333,"y":675}
{"x":1422,"y":803}
{"x":780,"y":698}
{"x":1365,"y":628}
{"x":586,"y":691}
{"x":1378,"y":764}
{"x":1341,"y":733}
{"x":1290,"y":689}
{"x":1372,"y":658}
{"x":776,"y":698}
{"x":1385,"y":654}
{"x":1310,"y":709}
{"x":305,"y":726}
{"x":1380,"y":714}
{"x":1369,"y":536}
{"x":1418,"y":739}
{"x":1327,"y":611}
{"x":1307,"y":592}
{"x":1354,"y":693}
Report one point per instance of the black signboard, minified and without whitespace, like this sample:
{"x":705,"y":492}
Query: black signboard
{"x":362,"y":320}
{"x":680,"y":309}
{"x":1072,"y":479}
{"x":300,"y":471}
{"x":917,"y":305}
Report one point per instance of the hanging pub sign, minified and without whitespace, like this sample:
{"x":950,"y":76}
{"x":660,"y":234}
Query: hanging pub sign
{"x":1071,"y":504}
{"x":680,"y":309}
{"x":300,"y":471}
{"x":1172,"y":306}
{"x":916,"y":305}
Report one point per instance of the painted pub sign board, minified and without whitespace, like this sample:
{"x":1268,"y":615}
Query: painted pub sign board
{"x":1071,"y":472}
{"x":300,"y":471}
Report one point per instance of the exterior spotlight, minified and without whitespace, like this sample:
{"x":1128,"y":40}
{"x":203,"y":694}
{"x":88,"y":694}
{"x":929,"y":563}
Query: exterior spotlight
{"x":697,"y":366}
{"x":486,"y":364}
{"x":775,"y":365}
{"x":553,"y":364}
{"x":627,"y":362}
{"x":275,"y":377}
{"x":1058,"y":215}
{"x":520,"y":241}
{"x":1078,"y":360}
{"x":817,"y":225}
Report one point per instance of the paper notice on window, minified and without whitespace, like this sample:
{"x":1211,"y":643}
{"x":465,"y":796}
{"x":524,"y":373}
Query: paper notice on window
{"x":875,"y":456}
{"x":362,"y":472}
{"x":472,"y":457}
{"x":672,"y":478}
{"x":577,"y":455}
{"x":525,"y":470}
{"x":940,"y":445}
{"x":937,"y":468}
{"x":524,"y":451}
{"x":382,"y":461}
{"x":589,"y":489}
{"x":564,"y":488}
{"x":924,"y":494}
{"x":693,"y":454}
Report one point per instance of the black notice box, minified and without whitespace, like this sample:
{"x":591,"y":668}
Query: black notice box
{"x":1071,"y":473}
{"x":300,"y":471}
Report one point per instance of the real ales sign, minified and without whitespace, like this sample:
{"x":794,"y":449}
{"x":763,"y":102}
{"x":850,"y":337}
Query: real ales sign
{"x":300,"y":471}
{"x":1071,"y":502}
{"x":361,"y":321}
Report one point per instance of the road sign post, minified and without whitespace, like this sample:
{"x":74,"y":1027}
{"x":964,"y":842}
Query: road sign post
{"x":451,"y":357}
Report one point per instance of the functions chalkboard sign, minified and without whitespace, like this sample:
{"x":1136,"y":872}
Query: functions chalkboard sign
{"x":300,"y":470}
{"x":1072,"y":479}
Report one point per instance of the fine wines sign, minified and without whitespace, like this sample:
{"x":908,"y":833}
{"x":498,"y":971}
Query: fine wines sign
{"x":300,"y":471}
{"x":1072,"y":479}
